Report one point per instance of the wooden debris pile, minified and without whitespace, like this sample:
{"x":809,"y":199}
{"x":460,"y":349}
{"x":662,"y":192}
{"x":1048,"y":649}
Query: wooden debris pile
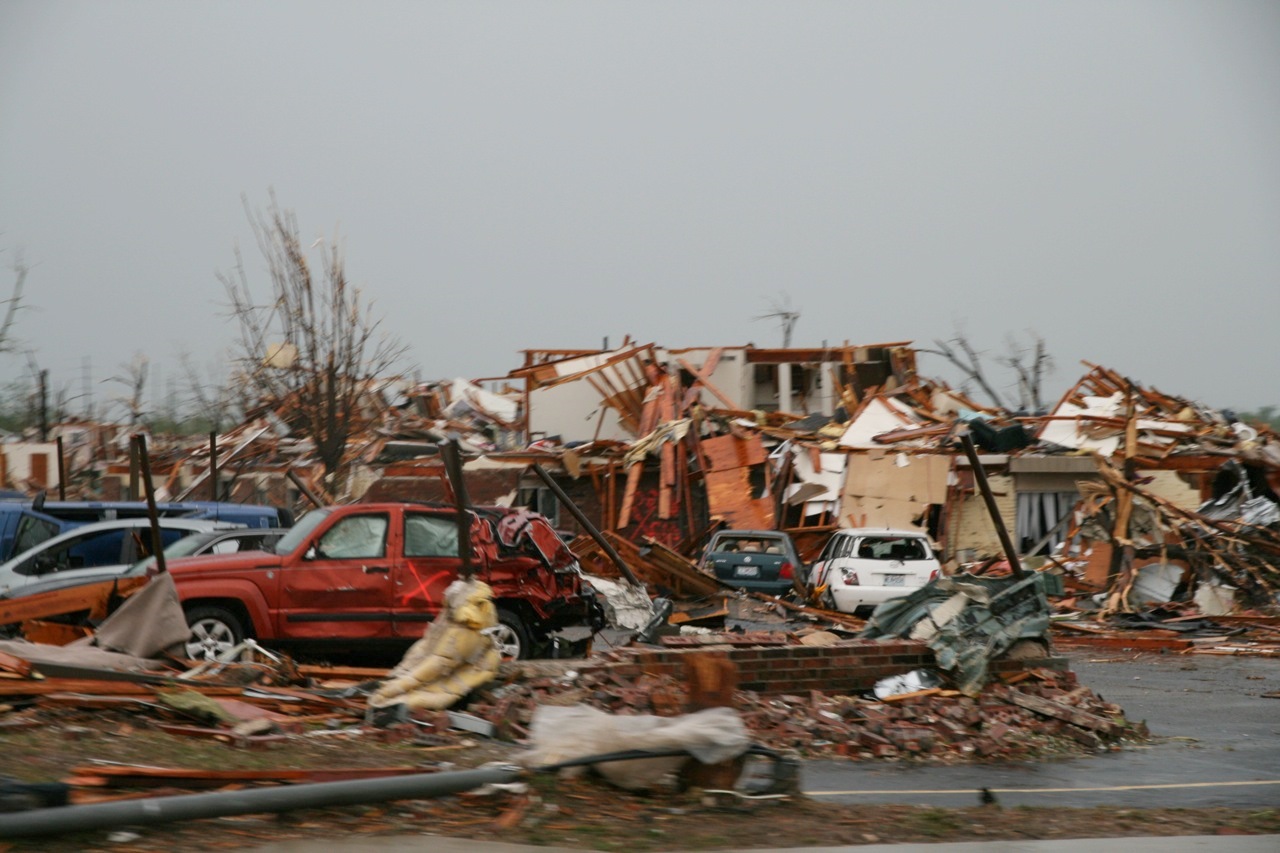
{"x":1106,"y":413}
{"x":1220,"y":545}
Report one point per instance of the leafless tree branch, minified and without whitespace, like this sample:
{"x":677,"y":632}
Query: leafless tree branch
{"x":311,"y":352}
{"x":1030,"y":363}
{"x":12,"y":306}
{"x":961,"y":353}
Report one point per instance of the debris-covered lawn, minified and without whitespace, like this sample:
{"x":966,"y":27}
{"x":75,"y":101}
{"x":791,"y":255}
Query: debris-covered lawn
{"x":581,"y":813}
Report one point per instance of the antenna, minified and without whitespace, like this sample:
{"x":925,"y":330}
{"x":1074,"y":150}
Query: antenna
{"x":786,"y":317}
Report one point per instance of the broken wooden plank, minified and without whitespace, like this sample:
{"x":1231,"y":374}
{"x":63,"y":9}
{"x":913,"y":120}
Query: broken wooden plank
{"x":914,"y":694}
{"x":701,"y":376}
{"x":15,"y":665}
{"x":1049,"y":708}
{"x":138,"y":776}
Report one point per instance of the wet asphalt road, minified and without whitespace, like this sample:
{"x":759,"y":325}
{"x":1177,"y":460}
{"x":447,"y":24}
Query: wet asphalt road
{"x":1216,"y":743}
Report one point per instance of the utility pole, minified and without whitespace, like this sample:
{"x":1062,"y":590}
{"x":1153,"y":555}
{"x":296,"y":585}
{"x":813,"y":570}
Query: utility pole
{"x":44,"y":405}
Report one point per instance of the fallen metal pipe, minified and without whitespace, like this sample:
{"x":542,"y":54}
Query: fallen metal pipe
{"x":591,"y":529}
{"x":63,"y":819}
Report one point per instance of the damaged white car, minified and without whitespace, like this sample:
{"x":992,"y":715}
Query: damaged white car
{"x":861,"y":568}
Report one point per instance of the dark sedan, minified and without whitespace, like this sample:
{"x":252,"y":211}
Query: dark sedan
{"x":756,"y":560}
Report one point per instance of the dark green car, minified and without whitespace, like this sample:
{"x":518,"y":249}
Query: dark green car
{"x":756,"y":560}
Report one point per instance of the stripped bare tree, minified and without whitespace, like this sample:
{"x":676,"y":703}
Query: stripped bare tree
{"x":311,"y":351}
{"x":1030,"y":364}
{"x":216,"y":400}
{"x":12,"y":306}
{"x":133,"y":377}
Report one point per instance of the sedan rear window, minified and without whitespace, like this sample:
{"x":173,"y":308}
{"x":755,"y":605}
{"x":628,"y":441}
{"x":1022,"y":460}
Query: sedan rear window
{"x":748,"y":544}
{"x":894,"y":548}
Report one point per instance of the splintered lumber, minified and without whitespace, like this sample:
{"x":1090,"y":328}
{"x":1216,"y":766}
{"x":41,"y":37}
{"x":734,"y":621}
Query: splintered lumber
{"x":92,"y":597}
{"x":223,"y":735}
{"x":844,"y":619}
{"x":15,"y":665}
{"x":139,"y":776}
{"x":1058,"y":711}
{"x":706,"y":614}
{"x":634,"y":473}
{"x":915,"y":694}
{"x":341,"y":673}
{"x":654,"y":564}
{"x":93,"y":687}
{"x":1119,"y":641}
{"x":701,"y":376}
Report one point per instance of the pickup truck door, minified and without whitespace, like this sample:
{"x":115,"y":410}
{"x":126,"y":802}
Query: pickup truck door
{"x":341,"y":587}
{"x":431,"y":563}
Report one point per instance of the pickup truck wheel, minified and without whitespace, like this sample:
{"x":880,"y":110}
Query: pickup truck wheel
{"x":214,"y":631}
{"x":511,"y":636}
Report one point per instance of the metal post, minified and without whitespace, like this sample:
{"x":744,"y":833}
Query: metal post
{"x":586,"y":524}
{"x":133,"y":470}
{"x":62,"y":473}
{"x":157,"y":543}
{"x":453,"y":470}
{"x":213,"y":465}
{"x":44,"y":405}
{"x":980,"y":478}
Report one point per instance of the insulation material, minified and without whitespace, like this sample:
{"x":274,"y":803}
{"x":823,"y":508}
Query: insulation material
{"x":469,"y":398}
{"x":454,"y":657}
{"x":560,"y":734}
{"x":819,"y":490}
{"x":625,"y":606}
{"x":892,"y":489}
{"x":149,"y":622}
{"x":882,"y":414}
{"x":1068,"y":425}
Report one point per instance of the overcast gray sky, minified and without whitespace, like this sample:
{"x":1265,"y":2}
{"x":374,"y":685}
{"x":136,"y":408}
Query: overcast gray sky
{"x":512,"y":175}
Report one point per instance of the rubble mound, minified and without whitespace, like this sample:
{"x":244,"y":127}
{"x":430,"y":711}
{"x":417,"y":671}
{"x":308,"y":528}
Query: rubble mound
{"x":1042,"y":714}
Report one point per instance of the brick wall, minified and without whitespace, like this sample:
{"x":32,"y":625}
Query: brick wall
{"x":847,"y":667}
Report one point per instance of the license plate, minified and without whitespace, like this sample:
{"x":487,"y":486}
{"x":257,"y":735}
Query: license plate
{"x":747,"y":571}
{"x":895,"y":580}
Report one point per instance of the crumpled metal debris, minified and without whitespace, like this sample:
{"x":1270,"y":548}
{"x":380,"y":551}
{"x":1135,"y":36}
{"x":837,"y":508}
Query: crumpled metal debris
{"x":996,"y":613}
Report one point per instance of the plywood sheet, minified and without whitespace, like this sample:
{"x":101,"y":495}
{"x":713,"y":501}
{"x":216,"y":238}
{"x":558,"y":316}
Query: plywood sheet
{"x":892,"y":489}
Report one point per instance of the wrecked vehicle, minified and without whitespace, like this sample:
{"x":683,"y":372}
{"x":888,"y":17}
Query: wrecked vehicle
{"x":93,"y":552}
{"x":376,"y":573}
{"x":223,"y":542}
{"x":755,"y":560}
{"x":25,"y":524}
{"x":860,"y":568}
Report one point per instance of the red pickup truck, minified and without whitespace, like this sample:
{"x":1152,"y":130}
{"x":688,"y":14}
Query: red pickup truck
{"x":376,"y":573}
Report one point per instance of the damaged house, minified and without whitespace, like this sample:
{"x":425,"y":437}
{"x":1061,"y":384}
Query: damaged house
{"x":659,"y":446}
